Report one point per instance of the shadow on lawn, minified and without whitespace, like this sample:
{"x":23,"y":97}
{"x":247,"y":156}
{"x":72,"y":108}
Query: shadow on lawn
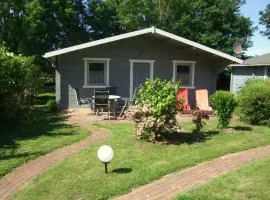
{"x":242,"y":128}
{"x":14,"y":154}
{"x":38,"y":123}
{"x":123,"y":170}
{"x":188,"y":137}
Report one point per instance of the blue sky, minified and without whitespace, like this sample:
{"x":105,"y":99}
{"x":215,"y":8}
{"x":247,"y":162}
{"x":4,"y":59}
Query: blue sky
{"x":251,"y":9}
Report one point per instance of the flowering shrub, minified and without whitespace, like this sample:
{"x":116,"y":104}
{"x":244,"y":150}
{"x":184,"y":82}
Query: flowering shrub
{"x":155,"y":109}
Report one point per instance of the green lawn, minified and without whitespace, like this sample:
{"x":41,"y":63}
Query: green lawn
{"x":38,"y":134}
{"x":81,"y":176}
{"x":249,"y":182}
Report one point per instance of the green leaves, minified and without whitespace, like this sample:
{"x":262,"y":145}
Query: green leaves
{"x":156,"y":107}
{"x":254,"y":102}
{"x":19,"y":82}
{"x":36,"y":26}
{"x":265,"y":20}
{"x":215,"y":23}
{"x":224,"y":103}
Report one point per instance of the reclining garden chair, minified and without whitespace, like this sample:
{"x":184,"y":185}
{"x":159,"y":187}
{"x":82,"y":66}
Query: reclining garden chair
{"x":82,"y":101}
{"x":183,"y":95}
{"x":202,"y":102}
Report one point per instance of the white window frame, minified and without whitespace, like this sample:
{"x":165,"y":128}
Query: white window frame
{"x":106,"y":72}
{"x":132,"y":61}
{"x":191,"y":64}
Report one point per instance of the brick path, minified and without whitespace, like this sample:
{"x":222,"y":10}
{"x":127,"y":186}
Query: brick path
{"x":173,"y":184}
{"x":15,"y":180}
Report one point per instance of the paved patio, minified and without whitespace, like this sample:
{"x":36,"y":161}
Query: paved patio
{"x":84,"y":116}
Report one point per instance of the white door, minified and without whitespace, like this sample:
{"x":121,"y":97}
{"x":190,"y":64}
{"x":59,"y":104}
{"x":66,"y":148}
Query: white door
{"x":140,"y":70}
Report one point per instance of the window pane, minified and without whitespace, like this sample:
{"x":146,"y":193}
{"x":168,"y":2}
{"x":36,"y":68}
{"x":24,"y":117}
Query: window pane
{"x":269,"y":72}
{"x":96,"y":73}
{"x":183,"y":74}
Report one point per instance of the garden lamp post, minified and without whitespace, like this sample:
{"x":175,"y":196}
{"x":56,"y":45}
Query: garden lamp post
{"x":105,"y":155}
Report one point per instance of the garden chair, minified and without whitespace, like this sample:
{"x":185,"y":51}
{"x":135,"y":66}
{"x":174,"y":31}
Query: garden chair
{"x":128,"y":102}
{"x":82,"y":101}
{"x":101,"y":101}
{"x":112,"y":90}
{"x":183,"y":95}
{"x":202,"y":102}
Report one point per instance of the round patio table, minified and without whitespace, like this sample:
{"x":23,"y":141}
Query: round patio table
{"x":114,"y":97}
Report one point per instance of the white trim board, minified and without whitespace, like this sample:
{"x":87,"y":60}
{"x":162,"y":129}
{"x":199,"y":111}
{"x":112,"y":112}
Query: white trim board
{"x":151,"y":30}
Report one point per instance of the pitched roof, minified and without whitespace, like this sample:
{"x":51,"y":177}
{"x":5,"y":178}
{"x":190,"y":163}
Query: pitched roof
{"x":263,"y":59}
{"x":152,"y":30}
{"x":256,"y":61}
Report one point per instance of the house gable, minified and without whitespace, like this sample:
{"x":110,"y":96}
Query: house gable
{"x":152,"y":30}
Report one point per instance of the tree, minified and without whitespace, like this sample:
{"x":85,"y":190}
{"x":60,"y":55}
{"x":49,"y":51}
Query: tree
{"x":265,"y":20}
{"x":101,"y":20}
{"x":36,"y":26}
{"x":215,"y":23}
{"x":20,"y":81}
{"x":32,"y":27}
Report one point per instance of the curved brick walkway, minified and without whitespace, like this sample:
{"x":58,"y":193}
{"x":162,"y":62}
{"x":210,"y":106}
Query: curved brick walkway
{"x":15,"y":180}
{"x":177,"y":183}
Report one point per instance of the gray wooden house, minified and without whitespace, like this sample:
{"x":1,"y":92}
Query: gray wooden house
{"x":127,"y":60}
{"x":257,"y":67}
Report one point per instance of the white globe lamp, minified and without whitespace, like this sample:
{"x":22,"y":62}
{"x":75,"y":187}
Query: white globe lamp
{"x":105,"y":155}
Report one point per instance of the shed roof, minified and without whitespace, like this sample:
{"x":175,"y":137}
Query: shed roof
{"x":263,"y":60}
{"x":151,"y":30}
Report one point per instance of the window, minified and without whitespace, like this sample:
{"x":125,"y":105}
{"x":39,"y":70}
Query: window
{"x":183,"y":71}
{"x":96,"y":72}
{"x":268,"y":72}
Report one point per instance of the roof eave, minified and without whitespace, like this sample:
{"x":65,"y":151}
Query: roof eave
{"x":141,"y":32}
{"x":99,"y":42}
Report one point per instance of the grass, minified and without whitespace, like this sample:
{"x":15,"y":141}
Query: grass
{"x":82,"y":176}
{"x":249,"y":182}
{"x":38,"y":134}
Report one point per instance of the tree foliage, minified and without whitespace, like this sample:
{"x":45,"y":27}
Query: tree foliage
{"x":265,"y":20}
{"x":36,"y":26}
{"x":215,"y":23}
{"x":19,"y":82}
{"x":32,"y":27}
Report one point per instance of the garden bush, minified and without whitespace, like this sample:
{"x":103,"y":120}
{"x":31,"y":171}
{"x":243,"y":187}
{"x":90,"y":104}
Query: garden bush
{"x":254,"y":102}
{"x":199,"y":119}
{"x":224,"y":103}
{"x":155,"y":109}
{"x":19,"y":83}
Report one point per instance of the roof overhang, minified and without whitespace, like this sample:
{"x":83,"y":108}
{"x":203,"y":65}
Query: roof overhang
{"x":248,"y":65}
{"x":152,"y":30}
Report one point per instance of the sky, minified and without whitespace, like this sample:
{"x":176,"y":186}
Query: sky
{"x":261,"y":44}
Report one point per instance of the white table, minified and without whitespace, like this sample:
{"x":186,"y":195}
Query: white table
{"x":114,"y":97}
